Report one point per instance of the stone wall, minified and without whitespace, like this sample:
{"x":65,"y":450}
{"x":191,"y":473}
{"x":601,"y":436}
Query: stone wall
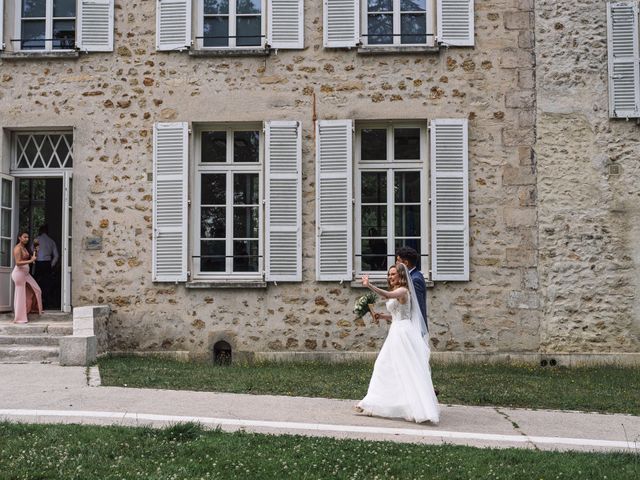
{"x":589,"y":219}
{"x":111,"y":101}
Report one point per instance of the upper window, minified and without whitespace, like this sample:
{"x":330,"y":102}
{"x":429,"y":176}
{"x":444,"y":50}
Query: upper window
{"x":391,"y":184}
{"x":231,"y":23}
{"x":228,"y":234}
{"x":43,"y":150}
{"x":47,"y":24}
{"x":395,"y":22}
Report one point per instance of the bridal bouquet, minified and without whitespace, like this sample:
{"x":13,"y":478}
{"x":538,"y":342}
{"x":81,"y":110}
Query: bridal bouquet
{"x":361,"y":307}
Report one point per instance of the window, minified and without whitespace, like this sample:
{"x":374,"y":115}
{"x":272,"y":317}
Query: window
{"x":391,"y":185}
{"x":232,"y":23}
{"x":228,"y":220}
{"x":396,"y":22}
{"x":43,"y":150}
{"x":47,"y":24}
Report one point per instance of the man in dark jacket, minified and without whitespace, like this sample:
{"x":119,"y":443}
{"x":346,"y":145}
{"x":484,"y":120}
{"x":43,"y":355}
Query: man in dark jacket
{"x":409,"y":257}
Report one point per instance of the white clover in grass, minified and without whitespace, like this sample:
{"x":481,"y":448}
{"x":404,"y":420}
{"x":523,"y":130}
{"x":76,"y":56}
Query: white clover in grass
{"x":361,"y":307}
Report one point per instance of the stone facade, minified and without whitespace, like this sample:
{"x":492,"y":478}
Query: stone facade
{"x":554,"y":267}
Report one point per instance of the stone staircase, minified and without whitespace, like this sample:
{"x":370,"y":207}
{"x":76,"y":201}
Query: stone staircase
{"x":36,"y":341}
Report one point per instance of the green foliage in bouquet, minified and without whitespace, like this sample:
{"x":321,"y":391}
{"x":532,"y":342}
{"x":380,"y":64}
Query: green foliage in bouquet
{"x":361,"y":307}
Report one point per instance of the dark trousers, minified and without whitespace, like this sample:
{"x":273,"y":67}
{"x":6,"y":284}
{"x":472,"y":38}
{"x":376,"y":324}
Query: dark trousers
{"x":44,"y":277}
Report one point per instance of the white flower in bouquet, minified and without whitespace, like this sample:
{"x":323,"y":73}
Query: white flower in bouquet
{"x":361,"y":307}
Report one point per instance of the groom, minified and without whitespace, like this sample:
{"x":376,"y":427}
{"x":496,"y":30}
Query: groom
{"x":409,"y":257}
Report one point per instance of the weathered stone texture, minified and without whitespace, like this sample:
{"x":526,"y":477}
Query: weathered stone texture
{"x":589,"y":221}
{"x":112,"y":100}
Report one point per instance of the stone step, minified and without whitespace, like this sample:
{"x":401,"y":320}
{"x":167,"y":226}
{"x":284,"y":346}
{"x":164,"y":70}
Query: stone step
{"x":46,"y":316}
{"x":28,"y":354}
{"x":36,"y":328}
{"x":30,"y":340}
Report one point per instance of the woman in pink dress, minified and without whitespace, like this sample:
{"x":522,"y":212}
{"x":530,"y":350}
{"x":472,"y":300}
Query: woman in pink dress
{"x":28,"y":296}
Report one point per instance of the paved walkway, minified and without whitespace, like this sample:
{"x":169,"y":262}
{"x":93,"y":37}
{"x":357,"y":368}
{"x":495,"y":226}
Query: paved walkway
{"x":50,"y":393}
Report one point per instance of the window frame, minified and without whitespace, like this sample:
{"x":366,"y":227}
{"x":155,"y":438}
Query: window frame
{"x":199,"y":41}
{"x":49,"y":20}
{"x":397,"y":15}
{"x":229,"y":168}
{"x":392,"y":166}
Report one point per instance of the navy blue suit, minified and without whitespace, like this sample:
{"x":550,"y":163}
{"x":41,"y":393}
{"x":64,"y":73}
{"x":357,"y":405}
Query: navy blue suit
{"x":421,"y":292}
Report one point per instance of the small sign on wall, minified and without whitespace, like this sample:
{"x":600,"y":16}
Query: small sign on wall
{"x":93,"y":243}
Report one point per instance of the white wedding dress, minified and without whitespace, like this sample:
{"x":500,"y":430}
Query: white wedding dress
{"x":401,"y":385}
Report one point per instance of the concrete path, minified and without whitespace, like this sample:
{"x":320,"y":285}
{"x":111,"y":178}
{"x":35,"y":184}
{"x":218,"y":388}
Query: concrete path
{"x":54,"y":394}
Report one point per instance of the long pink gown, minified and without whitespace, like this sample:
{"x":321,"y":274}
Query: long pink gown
{"x":27,"y":297}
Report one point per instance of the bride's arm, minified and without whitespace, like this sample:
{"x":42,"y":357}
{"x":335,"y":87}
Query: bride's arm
{"x":397,"y":293}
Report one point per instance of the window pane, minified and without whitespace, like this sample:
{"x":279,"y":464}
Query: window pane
{"x":374,"y":221}
{"x":410,"y":242}
{"x":246,"y":189}
{"x":374,"y":187}
{"x":248,"y":31}
{"x":213,"y":7}
{"x":64,"y":34}
{"x":5,"y":252}
{"x":374,"y":254}
{"x":34,"y":8}
{"x":407,"y":187}
{"x":212,"y":222}
{"x":212,"y":255}
{"x":374,"y":144}
{"x":413,"y":5}
{"x":39,"y":192}
{"x":406,"y":143}
{"x":249,"y":6}
{"x":380,"y":29}
{"x":413,"y":27}
{"x":380,"y":5}
{"x":245,"y":222}
{"x":214,"y":147}
{"x":246,"y":147}
{"x":245,"y":256}
{"x":213,"y":189}
{"x":64,"y":8}
{"x":216,"y":32}
{"x":33,"y":34}
{"x":5,"y":223}
{"x":407,"y":220}
{"x":6,"y":193}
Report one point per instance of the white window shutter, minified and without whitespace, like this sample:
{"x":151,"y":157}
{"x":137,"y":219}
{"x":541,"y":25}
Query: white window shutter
{"x":170,"y":183}
{"x":283,"y":141}
{"x":455,"y":22}
{"x":286,"y":24}
{"x":341,"y":23}
{"x":624,"y":60}
{"x":449,"y":199}
{"x":95,"y":29}
{"x":334,"y":200}
{"x":1,"y":25}
{"x":173,"y":24}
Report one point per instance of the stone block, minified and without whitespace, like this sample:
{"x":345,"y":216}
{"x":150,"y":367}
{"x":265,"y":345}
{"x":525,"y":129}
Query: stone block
{"x":517,"y":176}
{"x":78,"y":350}
{"x":518,"y":20}
{"x":526,"y":155}
{"x":527,"y":196}
{"x":521,"y":99}
{"x":525,"y":39}
{"x":526,"y":118}
{"x":520,"y":217}
{"x":516,"y":58}
{"x":521,"y":257}
{"x":515,"y":137}
{"x":530,"y":279}
{"x":523,"y":300}
{"x":526,"y":79}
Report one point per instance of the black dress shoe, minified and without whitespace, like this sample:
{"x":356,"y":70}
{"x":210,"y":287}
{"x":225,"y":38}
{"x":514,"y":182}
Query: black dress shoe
{"x":436,"y":391}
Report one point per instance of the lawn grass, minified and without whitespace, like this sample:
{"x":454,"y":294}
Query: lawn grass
{"x":186,"y":451}
{"x":597,"y":389}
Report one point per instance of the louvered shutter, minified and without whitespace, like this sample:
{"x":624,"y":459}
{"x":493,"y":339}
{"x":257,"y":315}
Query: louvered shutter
{"x":624,"y":60}
{"x":173,"y":24}
{"x":449,"y":199}
{"x":455,"y":22}
{"x":334,"y":200}
{"x":286,"y":24}
{"x":95,"y":29}
{"x":341,"y":20}
{"x":283,"y":142}
{"x":170,"y":174}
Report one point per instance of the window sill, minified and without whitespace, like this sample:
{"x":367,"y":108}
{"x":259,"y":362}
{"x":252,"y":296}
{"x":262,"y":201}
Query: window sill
{"x":226,"y":284}
{"x":394,"y":49}
{"x":229,"y":52}
{"x":39,"y":55}
{"x":382,"y":283}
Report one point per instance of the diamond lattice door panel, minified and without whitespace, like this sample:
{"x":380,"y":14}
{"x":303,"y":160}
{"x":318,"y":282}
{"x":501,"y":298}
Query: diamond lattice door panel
{"x":38,"y":150}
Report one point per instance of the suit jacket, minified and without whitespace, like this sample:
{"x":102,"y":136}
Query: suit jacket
{"x":421,"y":292}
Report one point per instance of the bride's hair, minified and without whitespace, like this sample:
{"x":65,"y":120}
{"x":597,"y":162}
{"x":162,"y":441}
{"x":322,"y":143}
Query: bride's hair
{"x":402,"y":271}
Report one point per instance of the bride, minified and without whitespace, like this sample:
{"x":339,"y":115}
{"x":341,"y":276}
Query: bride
{"x":401,"y":385}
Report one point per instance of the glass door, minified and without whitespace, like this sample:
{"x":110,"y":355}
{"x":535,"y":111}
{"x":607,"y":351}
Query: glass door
{"x":6,"y":241}
{"x":66,"y":241}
